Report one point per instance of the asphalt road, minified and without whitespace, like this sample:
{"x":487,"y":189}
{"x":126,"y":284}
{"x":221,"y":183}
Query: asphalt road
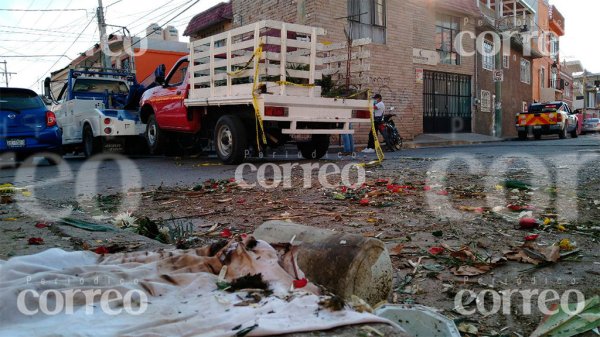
{"x":76,"y":176}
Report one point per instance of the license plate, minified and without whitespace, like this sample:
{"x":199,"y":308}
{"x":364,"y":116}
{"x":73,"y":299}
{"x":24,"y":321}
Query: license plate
{"x":15,"y":143}
{"x":537,"y":127}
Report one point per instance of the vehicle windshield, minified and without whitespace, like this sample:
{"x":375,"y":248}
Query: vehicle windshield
{"x":19,"y":99}
{"x":544,"y":108}
{"x":100,"y":86}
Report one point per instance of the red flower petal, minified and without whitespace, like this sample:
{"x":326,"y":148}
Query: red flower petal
{"x":515,"y":208}
{"x":232,"y":180}
{"x":532,"y":237}
{"x":241,"y":201}
{"x":35,"y":241}
{"x":301,"y":283}
{"x":364,"y":202}
{"x":101,"y":250}
{"x":344,"y":189}
{"x":436,"y":250}
{"x":527,"y":223}
{"x":41,"y":225}
{"x":426,"y":188}
{"x":226,"y":233}
{"x":442,"y":192}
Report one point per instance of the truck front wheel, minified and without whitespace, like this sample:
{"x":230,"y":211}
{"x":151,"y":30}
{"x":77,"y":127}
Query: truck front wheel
{"x":316,"y":148}
{"x":230,"y":139}
{"x":155,"y":137}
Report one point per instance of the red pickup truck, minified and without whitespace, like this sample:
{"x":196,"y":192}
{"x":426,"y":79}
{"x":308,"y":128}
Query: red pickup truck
{"x":228,"y":87}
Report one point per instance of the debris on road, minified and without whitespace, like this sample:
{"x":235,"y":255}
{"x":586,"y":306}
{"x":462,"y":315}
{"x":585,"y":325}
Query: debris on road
{"x":571,"y":319}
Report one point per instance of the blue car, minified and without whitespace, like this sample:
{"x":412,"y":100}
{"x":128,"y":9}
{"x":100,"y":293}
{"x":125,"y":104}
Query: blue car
{"x":26,"y":125}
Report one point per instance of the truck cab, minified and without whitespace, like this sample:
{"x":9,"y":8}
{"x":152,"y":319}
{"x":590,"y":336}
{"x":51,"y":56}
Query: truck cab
{"x":167,"y":96}
{"x":95,"y":108}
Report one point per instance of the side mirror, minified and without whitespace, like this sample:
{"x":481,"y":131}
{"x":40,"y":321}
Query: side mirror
{"x":159,"y":74}
{"x":47,"y":88}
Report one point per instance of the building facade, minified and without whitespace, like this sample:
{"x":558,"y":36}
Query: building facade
{"x":547,"y":83}
{"x":422,"y":57}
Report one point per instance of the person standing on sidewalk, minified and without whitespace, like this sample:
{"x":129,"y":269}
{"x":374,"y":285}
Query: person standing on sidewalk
{"x":378,"y":111}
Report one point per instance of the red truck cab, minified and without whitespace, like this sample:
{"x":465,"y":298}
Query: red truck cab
{"x":166,"y":101}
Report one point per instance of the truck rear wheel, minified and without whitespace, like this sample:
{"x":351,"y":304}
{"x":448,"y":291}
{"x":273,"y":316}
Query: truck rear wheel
{"x":522,"y":135}
{"x":91,"y":144}
{"x":230,"y":139}
{"x":575,"y":133}
{"x":316,"y":148}
{"x":563,"y":133}
{"x":155,"y":137}
{"x":537,"y":135}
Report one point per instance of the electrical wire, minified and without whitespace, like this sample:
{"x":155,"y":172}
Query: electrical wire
{"x":42,"y":10}
{"x":66,"y":51}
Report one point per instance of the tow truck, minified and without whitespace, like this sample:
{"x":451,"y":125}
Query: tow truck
{"x":248,"y":88}
{"x":97,"y":107}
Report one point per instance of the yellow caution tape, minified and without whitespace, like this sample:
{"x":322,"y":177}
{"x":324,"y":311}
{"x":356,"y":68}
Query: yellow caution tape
{"x":295,"y":84}
{"x":259,"y":121}
{"x":257,"y":55}
{"x":378,"y":149}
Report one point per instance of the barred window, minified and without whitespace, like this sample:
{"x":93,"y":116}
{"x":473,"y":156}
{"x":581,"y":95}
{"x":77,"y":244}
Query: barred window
{"x":488,"y":58}
{"x":525,"y":71}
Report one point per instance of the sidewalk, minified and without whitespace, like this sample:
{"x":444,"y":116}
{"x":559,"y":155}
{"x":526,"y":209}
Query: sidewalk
{"x":449,"y":139}
{"x":441,"y":140}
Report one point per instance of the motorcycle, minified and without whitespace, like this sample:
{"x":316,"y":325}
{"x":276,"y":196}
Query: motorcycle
{"x":391,"y":135}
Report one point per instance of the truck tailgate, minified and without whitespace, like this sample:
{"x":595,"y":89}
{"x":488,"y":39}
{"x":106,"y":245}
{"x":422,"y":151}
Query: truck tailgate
{"x":542,"y":118}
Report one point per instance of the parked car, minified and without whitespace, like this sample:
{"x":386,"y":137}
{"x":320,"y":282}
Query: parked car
{"x":591,"y":125}
{"x":27,"y":127}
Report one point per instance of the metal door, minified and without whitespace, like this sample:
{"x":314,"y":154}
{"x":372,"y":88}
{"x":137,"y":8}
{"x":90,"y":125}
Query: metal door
{"x":446,"y":103}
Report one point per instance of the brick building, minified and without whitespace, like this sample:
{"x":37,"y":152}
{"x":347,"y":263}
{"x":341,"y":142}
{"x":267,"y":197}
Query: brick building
{"x":547,"y":83}
{"x":412,"y":59}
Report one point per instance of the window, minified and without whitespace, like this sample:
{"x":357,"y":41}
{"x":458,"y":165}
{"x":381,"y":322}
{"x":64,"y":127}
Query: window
{"x":19,"y":99}
{"x":542,"y":77}
{"x":99,"y":86}
{"x":367,"y":19}
{"x":525,"y":71}
{"x":506,"y":61}
{"x":554,"y":79}
{"x":554,"y":47}
{"x":178,"y":73}
{"x":446,"y":29}
{"x":488,"y":58}
{"x":524,"y":107}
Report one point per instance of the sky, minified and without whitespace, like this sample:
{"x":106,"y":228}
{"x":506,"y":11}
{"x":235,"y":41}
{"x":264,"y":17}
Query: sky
{"x":33,"y":33}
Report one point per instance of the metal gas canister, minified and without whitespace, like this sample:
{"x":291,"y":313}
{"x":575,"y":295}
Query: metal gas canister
{"x":345,"y":264}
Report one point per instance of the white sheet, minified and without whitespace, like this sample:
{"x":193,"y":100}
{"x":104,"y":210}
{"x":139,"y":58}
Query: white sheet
{"x":185,"y":304}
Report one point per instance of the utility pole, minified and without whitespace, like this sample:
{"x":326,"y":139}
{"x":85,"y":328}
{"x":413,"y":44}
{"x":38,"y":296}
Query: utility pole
{"x":6,"y":72}
{"x":498,"y":101}
{"x":104,"y":57}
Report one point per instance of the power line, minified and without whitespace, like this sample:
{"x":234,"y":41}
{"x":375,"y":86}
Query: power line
{"x":66,"y":51}
{"x":43,"y":10}
{"x":173,"y":18}
{"x":27,"y":56}
{"x":40,"y":30}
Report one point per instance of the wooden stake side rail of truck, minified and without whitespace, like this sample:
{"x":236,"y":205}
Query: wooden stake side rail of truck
{"x":208,"y":96}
